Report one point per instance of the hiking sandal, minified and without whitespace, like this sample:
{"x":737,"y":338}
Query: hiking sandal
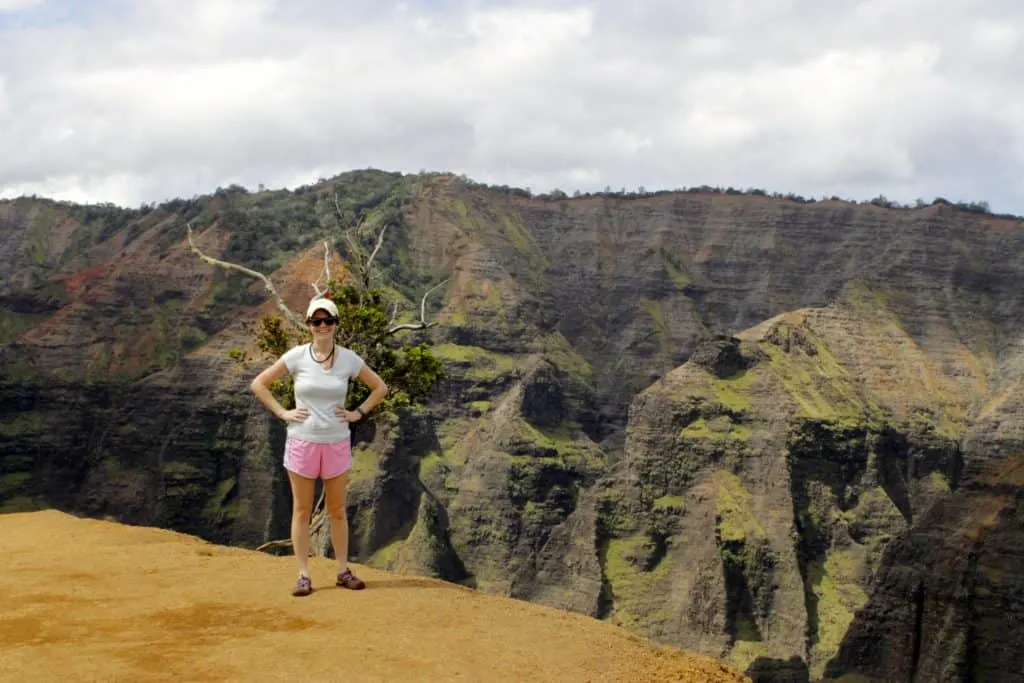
{"x":347,"y":579}
{"x":303,"y":586}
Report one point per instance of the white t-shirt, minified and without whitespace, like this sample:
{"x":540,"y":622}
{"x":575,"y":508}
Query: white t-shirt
{"x":319,"y":391}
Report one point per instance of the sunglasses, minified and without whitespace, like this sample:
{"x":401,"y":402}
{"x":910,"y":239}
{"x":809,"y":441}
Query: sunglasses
{"x":317,"y":322}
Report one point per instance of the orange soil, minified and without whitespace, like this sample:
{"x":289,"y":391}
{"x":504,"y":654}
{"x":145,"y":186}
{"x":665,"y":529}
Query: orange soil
{"x":86,"y":599}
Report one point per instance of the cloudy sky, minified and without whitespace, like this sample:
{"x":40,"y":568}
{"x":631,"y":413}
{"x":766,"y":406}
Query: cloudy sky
{"x":143,"y":100}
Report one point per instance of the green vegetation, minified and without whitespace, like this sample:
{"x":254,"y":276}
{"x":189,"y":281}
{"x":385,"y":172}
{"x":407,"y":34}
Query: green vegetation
{"x":187,"y":503}
{"x":523,"y":240}
{"x":451,"y":433}
{"x":936,"y":481}
{"x":734,"y":392}
{"x":365,"y":464}
{"x":556,"y":347}
{"x":476,"y":363}
{"x":737,"y":520}
{"x":409,"y":369}
{"x":677,"y":270}
{"x":13,"y":496}
{"x":975,"y":206}
{"x":636,"y":593}
{"x":659,"y":326}
{"x":838,"y":596}
{"x":19,"y":504}
{"x":21,"y":425}
{"x":670,"y":503}
{"x":38,"y":236}
{"x":747,"y":648}
{"x":814,"y":378}
{"x":719,"y":427}
{"x":561,"y":436}
{"x":479,"y":407}
{"x":384,"y":557}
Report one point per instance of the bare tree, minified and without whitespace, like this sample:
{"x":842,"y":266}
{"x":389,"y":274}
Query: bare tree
{"x":361,"y":268}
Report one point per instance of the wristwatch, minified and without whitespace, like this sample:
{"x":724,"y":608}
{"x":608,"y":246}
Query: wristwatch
{"x":360,"y":411}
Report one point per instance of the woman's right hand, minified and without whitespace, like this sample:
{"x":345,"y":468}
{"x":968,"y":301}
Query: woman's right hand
{"x":295,"y":415}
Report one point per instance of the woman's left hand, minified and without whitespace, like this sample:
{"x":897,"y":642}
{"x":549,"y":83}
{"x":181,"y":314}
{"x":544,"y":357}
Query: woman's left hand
{"x":347,"y":415}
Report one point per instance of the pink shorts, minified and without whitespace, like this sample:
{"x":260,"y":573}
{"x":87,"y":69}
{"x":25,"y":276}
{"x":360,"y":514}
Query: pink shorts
{"x":312,"y":460}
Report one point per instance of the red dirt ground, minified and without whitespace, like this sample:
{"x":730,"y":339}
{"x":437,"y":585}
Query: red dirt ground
{"x":90,"y":600}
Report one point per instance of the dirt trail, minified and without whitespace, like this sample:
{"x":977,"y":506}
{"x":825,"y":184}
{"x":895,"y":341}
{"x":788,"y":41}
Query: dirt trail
{"x":85,"y":599}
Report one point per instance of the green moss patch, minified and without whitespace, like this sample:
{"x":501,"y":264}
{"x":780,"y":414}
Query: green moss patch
{"x":676,"y":269}
{"x":556,"y":347}
{"x":636,"y":594}
{"x":384,"y":557}
{"x":745,"y":650}
{"x":734,"y":392}
{"x":476,"y":362}
{"x":19,"y":504}
{"x":736,"y":518}
{"x":37,"y":237}
{"x":21,"y":425}
{"x":553,"y":437}
{"x":478,"y":408}
{"x":838,"y":595}
{"x":821,"y":387}
{"x":523,"y":240}
{"x":670,"y":503}
{"x":657,"y":315}
{"x":719,"y":427}
{"x":365,"y":464}
{"x":451,"y":434}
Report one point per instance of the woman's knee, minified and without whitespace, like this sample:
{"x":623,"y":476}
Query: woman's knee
{"x":337,"y":513}
{"x":302,"y":513}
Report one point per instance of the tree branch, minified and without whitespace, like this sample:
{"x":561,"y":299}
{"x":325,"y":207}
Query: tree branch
{"x":380,"y":241}
{"x":326,"y":269}
{"x":292,"y":318}
{"x":275,"y":545}
{"x":422,"y":324}
{"x":317,"y":520}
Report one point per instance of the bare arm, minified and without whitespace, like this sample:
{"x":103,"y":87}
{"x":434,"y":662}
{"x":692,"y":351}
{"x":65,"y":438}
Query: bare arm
{"x":378,"y":390}
{"x":261,"y":387}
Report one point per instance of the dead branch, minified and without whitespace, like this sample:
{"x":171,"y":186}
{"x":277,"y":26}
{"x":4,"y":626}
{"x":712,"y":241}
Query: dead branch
{"x":422,"y":324}
{"x":291,"y":317}
{"x":380,"y":241}
{"x":337,"y":207}
{"x":325,"y":271}
{"x":351,"y":236}
{"x":275,"y":545}
{"x":317,"y":540}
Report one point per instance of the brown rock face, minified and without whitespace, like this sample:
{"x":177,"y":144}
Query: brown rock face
{"x":718,"y":420}
{"x":948,"y":603}
{"x":763,"y":479}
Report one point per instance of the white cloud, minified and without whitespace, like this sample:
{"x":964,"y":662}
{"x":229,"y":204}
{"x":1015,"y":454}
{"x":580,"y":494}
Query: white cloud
{"x":910,"y":99}
{"x":18,"y":5}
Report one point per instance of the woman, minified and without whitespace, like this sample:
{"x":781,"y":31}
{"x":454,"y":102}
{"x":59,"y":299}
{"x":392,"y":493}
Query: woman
{"x":319,"y":441}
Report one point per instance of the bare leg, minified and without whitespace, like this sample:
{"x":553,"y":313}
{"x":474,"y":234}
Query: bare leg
{"x":302,"y":508}
{"x":334,"y":497}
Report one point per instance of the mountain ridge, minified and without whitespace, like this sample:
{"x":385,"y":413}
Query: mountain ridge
{"x":560,"y":316}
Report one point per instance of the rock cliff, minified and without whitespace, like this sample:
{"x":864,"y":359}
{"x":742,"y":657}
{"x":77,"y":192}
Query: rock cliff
{"x":732,"y":423}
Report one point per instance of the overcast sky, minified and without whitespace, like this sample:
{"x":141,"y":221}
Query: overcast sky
{"x":143,"y":100}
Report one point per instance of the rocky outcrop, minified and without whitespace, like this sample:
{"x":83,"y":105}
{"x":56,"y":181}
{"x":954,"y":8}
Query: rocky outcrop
{"x":763,"y":482}
{"x":186,"y":450}
{"x":948,"y":601}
